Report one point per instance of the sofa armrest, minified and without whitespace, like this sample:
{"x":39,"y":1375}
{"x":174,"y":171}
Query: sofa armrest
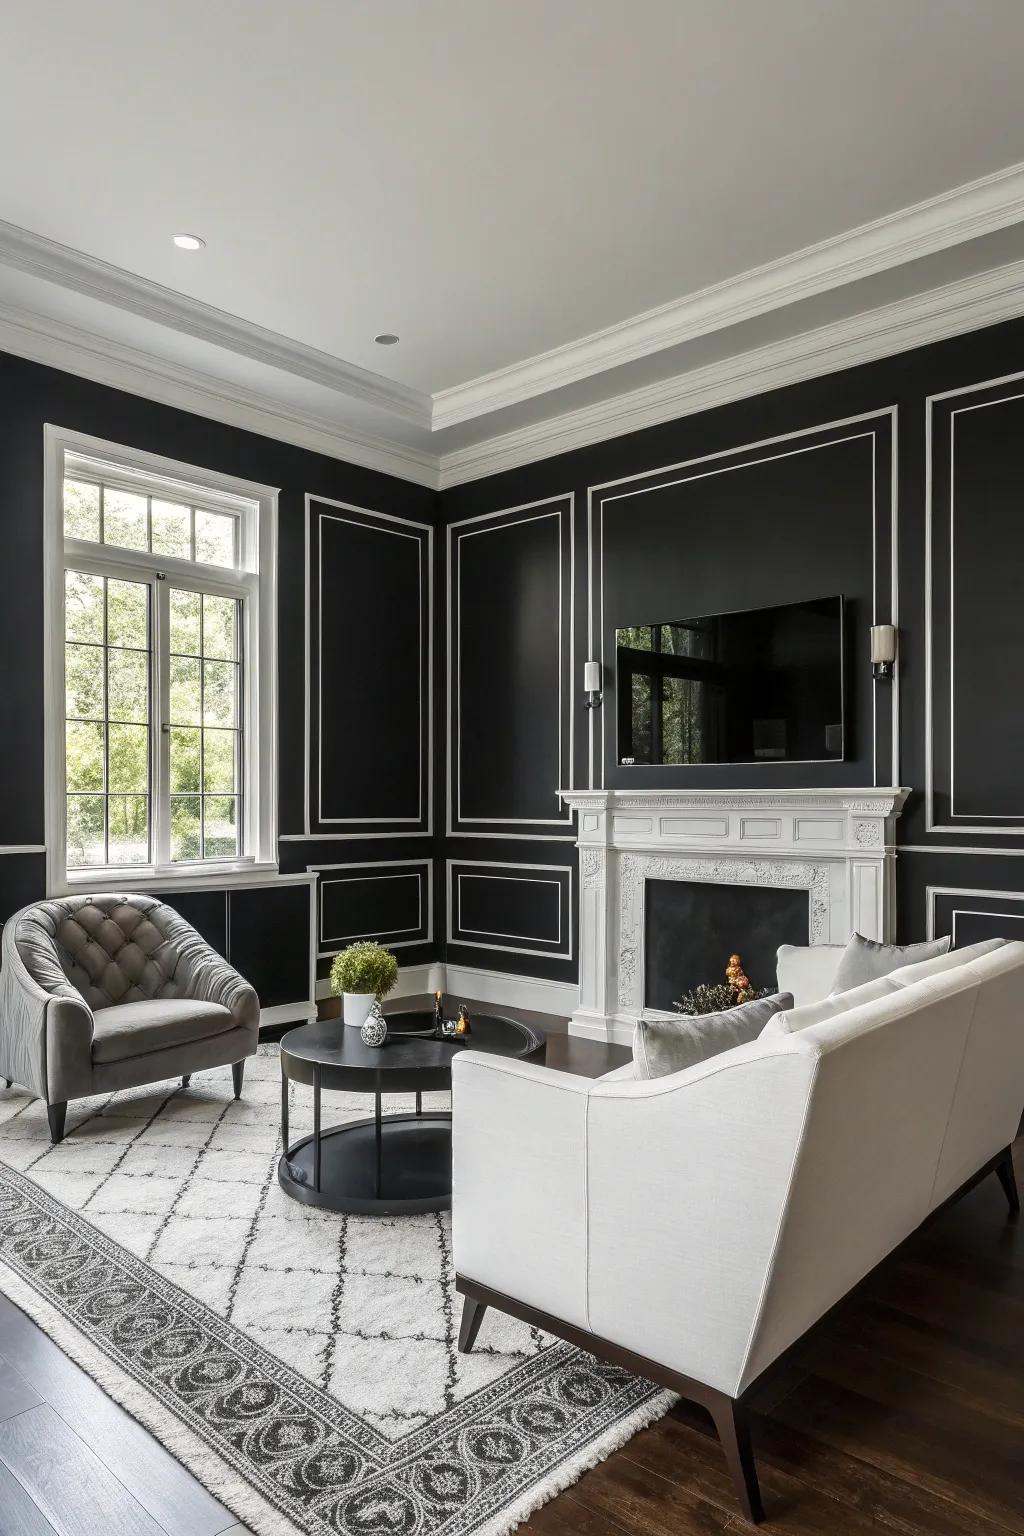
{"x":519,"y":1196}
{"x":688,"y":1181}
{"x":46,"y":1026}
{"x":207,"y":976}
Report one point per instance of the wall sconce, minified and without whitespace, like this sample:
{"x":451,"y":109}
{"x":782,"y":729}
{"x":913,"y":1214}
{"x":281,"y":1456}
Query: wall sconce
{"x":592,"y":683}
{"x":883,"y":652}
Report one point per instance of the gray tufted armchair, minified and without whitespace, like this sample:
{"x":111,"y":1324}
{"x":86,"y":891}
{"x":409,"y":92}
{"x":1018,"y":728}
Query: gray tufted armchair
{"x":105,"y":992}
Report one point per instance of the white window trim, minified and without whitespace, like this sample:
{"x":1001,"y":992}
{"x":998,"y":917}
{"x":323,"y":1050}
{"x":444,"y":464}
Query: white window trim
{"x":256,"y":581}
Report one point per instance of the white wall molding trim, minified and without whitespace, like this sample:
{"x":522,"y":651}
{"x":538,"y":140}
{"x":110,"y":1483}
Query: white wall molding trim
{"x":41,"y":339}
{"x":44,"y":258}
{"x":965,"y":305}
{"x":17,"y":848}
{"x":536,"y":994}
{"x":963,"y":213}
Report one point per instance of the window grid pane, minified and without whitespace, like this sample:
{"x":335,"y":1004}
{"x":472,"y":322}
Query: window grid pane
{"x":107,"y":795}
{"x":124,"y":519}
{"x":205,"y":822}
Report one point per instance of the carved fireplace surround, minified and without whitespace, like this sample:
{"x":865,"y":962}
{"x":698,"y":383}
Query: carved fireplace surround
{"x":837,"y":844}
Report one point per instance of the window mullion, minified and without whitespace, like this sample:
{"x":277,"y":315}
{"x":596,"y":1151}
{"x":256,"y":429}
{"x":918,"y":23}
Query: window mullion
{"x":160,"y":803}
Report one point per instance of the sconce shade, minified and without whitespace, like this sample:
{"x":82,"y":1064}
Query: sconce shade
{"x":883,"y":643}
{"x":592,"y":677}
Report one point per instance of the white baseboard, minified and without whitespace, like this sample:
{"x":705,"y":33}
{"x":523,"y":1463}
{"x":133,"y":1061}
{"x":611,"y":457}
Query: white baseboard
{"x":287,"y":1013}
{"x":413,"y":981}
{"x":610,"y":1031}
{"x":533,"y":993}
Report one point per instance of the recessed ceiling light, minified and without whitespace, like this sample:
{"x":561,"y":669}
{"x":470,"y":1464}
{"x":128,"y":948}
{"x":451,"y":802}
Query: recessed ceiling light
{"x":386,"y":339}
{"x":189,"y":242}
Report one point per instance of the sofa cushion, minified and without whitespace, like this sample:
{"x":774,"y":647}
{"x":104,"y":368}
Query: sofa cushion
{"x":133,"y":1029}
{"x":866,"y":960}
{"x":791,"y":1021}
{"x":951,"y":961}
{"x":807,"y":970}
{"x":663,"y":1046}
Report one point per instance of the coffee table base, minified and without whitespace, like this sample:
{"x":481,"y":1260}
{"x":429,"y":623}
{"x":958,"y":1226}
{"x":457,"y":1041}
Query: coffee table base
{"x":407,"y":1169}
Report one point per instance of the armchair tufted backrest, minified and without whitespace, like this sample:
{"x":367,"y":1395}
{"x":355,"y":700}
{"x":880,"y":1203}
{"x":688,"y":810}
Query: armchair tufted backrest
{"x":112,"y":948}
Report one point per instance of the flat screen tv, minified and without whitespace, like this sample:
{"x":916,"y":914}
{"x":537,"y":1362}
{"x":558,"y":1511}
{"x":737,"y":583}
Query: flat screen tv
{"x":764,"y":685}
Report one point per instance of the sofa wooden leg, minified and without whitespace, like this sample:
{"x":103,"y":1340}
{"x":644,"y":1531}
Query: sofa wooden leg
{"x":56,"y":1114}
{"x":472,"y":1316}
{"x":186,"y":1079}
{"x":734,"y":1432}
{"x":1008,"y":1179}
{"x":237,"y":1073}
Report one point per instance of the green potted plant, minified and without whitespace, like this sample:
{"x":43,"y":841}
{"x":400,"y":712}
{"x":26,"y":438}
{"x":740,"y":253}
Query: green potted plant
{"x":361,"y":973}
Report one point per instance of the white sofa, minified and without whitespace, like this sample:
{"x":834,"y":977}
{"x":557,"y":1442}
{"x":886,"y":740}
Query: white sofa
{"x":694,"y":1226}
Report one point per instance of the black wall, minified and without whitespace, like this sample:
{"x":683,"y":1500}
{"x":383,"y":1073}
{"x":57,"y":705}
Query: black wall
{"x":373,"y":772}
{"x":422,"y":786}
{"x":816,"y":489}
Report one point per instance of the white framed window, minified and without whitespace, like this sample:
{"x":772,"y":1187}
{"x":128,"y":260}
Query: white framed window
{"x":161,"y":719}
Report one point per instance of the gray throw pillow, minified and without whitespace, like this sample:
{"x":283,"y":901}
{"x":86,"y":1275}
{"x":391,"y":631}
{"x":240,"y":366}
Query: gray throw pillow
{"x":866,"y":960}
{"x":661,"y":1046}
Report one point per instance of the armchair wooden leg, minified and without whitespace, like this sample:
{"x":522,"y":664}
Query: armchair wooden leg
{"x":238,"y":1072}
{"x":1008,"y":1179}
{"x":472,"y":1316}
{"x":734,"y":1433}
{"x":56,"y":1114}
{"x":186,"y":1079}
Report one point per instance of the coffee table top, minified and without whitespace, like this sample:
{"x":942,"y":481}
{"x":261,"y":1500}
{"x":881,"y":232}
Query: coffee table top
{"x":338,"y":1049}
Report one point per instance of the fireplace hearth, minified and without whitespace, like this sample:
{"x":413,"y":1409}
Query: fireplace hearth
{"x":691,"y":928}
{"x":830,"y":850}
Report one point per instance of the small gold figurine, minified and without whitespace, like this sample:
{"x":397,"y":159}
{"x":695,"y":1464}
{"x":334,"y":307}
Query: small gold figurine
{"x":462,"y":1024}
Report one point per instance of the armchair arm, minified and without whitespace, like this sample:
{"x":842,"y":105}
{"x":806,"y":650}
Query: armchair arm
{"x":519,"y":1182}
{"x":206,"y":976}
{"x":46,"y":1026}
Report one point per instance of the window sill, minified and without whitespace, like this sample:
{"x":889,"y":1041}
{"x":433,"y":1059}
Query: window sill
{"x":191,"y":877}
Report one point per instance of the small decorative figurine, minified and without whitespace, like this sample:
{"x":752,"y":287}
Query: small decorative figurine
{"x":438,"y":1013}
{"x":462,"y":1024}
{"x":374,"y":1031}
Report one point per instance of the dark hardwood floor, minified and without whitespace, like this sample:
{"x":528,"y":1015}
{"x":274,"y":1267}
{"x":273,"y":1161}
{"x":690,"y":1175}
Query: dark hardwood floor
{"x":902,"y":1413}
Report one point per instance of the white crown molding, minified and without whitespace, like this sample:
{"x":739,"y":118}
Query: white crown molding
{"x":963,"y":213}
{"x":41,"y":339}
{"x":965,"y":305}
{"x":55,"y":263}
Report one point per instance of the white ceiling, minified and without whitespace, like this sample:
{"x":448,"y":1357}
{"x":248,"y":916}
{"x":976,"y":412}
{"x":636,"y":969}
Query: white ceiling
{"x":492,"y":179}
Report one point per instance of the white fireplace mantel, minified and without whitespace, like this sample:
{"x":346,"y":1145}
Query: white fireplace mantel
{"x":837,"y":844}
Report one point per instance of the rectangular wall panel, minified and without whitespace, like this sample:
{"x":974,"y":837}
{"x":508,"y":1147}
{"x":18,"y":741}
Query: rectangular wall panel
{"x":369,"y":672}
{"x":809,"y":514}
{"x":970,"y":915}
{"x":525,"y":909}
{"x":510,"y":714}
{"x":975,"y":620}
{"x":390,"y":901}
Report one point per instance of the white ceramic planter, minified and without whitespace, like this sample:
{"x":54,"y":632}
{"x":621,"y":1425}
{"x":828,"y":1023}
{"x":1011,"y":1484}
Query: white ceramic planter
{"x":356,"y":1006}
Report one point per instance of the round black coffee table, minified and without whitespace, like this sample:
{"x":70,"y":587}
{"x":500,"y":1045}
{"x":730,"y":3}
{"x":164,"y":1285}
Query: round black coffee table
{"x":388,"y":1164}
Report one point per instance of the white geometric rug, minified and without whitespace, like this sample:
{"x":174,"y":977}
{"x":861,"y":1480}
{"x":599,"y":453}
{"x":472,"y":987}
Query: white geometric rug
{"x":303,"y":1363}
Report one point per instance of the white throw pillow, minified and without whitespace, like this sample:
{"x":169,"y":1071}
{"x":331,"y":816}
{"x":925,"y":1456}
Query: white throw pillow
{"x":663,"y":1046}
{"x":866,"y":960}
